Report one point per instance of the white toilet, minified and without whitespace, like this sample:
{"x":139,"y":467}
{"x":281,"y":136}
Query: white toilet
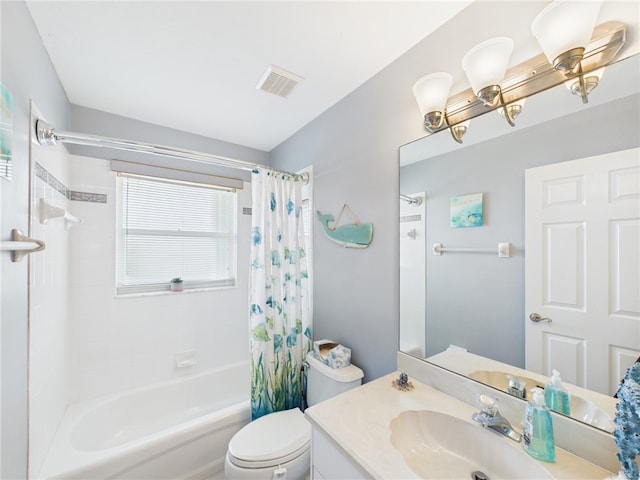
{"x":278,"y":445}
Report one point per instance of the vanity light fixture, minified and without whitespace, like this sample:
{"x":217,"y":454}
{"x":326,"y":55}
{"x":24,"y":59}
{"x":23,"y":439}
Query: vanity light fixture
{"x":563,"y":30}
{"x":432,"y":92}
{"x":485,"y":66}
{"x":575,"y":53}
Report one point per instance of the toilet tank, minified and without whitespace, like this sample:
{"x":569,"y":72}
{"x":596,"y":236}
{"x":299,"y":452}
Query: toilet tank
{"x":324,"y":382}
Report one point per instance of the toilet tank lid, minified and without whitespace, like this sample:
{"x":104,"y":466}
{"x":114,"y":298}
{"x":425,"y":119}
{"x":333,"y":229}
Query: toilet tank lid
{"x":349,"y":373}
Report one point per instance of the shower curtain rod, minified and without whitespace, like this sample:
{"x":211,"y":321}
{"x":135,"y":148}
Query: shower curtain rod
{"x":47,"y":136}
{"x":411,"y":200}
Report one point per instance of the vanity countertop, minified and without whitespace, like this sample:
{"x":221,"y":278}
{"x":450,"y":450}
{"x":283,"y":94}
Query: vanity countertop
{"x":358,"y":422}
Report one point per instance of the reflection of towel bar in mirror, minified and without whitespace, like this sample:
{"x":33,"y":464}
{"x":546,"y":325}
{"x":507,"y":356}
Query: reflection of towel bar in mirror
{"x":48,"y":211}
{"x":502,"y":250}
{"x":21,"y":245}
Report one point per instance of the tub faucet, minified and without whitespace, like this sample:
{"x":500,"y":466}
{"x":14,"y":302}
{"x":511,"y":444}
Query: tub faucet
{"x":491,"y":418}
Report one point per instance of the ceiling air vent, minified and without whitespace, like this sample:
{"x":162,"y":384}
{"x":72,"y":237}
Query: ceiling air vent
{"x":278,"y":81}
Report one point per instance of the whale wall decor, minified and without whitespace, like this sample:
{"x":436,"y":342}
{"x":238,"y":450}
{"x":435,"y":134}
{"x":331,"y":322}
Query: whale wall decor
{"x":355,"y":235}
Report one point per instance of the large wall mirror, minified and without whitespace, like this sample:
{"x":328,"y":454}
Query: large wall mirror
{"x":465,"y":310}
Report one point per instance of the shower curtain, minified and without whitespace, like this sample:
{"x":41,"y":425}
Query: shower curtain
{"x":279,"y":307}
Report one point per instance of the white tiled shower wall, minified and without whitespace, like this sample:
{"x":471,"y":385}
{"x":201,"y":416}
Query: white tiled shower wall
{"x":122,"y":343}
{"x":85,"y":342}
{"x":49,"y":322}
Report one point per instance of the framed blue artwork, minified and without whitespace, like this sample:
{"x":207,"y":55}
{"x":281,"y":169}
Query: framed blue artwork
{"x":466,"y":211}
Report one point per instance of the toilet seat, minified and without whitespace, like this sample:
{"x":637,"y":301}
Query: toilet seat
{"x":271,"y":440}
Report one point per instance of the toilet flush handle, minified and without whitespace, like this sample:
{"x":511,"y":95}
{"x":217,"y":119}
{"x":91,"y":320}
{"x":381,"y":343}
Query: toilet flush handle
{"x":279,"y":473}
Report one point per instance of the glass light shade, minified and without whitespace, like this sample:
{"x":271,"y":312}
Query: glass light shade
{"x":432,"y":92}
{"x":565,"y":25}
{"x":486,"y":63}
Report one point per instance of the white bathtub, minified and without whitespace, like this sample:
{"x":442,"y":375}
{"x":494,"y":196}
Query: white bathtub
{"x":173,"y":430}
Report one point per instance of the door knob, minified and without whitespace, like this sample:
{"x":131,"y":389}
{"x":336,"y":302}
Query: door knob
{"x":537,"y":318}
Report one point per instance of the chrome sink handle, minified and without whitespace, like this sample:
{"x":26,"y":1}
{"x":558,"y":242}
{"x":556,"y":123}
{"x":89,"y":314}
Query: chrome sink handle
{"x":486,"y":417}
{"x":488,"y":405}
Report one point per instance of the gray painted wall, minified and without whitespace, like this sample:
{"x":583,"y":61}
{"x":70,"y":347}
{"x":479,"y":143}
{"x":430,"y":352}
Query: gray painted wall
{"x":354,"y":151}
{"x":28,"y":74}
{"x":477,"y":301}
{"x":353,"y":147}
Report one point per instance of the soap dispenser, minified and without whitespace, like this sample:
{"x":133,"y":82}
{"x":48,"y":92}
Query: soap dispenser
{"x":556,"y":396}
{"x":537,"y":437}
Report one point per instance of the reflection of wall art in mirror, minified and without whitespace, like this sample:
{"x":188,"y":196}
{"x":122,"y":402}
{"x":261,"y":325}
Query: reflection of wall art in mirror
{"x":466,"y":211}
{"x":6,"y":129}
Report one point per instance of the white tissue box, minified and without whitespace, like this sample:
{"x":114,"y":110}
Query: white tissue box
{"x":332,"y":353}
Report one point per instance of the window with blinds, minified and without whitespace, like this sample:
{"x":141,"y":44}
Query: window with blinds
{"x":172,"y":229}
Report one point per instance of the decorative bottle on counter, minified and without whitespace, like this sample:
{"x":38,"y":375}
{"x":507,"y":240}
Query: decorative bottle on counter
{"x":537,"y":437}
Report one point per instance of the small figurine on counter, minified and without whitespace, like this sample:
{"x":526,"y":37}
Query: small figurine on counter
{"x":402,"y":383}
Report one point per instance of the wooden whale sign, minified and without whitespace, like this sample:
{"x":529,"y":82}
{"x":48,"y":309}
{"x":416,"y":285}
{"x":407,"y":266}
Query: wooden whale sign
{"x":355,"y":235}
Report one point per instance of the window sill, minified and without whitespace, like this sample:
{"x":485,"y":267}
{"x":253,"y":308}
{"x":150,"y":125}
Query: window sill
{"x":169,"y":292}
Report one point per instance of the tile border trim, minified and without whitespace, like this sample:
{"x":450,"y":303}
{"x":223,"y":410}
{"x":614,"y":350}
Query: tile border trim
{"x":61,"y":188}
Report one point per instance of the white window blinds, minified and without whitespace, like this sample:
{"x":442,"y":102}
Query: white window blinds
{"x":171,"y":229}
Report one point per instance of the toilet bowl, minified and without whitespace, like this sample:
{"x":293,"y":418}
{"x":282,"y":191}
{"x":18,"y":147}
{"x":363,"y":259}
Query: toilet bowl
{"x":278,"y":445}
{"x":274,"y":446}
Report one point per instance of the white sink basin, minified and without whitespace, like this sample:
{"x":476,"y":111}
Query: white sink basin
{"x":439,"y":446}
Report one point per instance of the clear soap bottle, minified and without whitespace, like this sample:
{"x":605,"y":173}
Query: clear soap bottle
{"x":556,"y":397}
{"x":537,"y":437}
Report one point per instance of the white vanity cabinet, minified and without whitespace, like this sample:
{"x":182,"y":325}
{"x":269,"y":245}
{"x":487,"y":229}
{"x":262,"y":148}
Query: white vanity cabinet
{"x":330,"y":463}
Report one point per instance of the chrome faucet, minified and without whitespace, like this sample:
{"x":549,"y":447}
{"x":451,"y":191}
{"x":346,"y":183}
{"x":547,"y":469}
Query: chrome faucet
{"x":491,"y":418}
{"x":516,"y":387}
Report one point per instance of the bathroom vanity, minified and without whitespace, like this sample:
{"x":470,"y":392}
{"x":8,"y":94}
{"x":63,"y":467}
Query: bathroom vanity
{"x":378,"y":431}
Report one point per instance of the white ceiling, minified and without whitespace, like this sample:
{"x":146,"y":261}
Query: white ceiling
{"x":194,"y":66}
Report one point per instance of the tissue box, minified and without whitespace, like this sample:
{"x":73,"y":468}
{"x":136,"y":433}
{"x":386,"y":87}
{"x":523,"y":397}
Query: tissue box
{"x":332,"y":353}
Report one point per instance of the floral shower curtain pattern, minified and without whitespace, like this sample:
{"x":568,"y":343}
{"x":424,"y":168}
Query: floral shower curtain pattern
{"x":279,"y":308}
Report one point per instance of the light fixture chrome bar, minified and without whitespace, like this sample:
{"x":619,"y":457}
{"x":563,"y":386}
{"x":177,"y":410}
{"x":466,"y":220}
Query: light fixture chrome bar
{"x":537,"y":75}
{"x":47,"y":135}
